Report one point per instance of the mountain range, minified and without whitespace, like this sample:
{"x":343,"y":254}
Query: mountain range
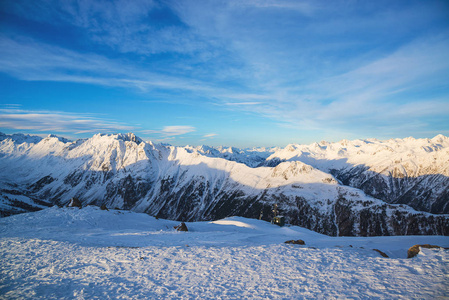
{"x":361,"y":187}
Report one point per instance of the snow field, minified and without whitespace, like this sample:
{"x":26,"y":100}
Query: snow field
{"x":34,"y":269}
{"x":87,"y":253}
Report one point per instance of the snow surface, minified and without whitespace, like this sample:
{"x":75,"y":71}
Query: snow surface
{"x":88,"y":253}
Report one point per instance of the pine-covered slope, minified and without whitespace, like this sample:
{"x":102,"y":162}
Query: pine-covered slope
{"x":183,"y":183}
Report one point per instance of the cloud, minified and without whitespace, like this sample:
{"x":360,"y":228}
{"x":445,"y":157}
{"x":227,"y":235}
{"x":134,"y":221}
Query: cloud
{"x":170,"y":131}
{"x":121,"y":25}
{"x":177,"y":130}
{"x":300,"y":63}
{"x":304,"y":7}
{"x":18,"y":59}
{"x":242,"y":103}
{"x":210,"y":135}
{"x":387,"y":91}
{"x":55,"y":121}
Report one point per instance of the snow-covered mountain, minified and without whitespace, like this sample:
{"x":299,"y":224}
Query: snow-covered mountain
{"x":254,"y":157}
{"x":407,"y":171}
{"x":191,"y":184}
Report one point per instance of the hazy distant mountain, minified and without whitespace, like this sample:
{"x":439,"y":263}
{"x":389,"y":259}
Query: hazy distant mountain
{"x":309,"y":183}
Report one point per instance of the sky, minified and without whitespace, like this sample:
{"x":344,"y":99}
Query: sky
{"x":233,"y":73}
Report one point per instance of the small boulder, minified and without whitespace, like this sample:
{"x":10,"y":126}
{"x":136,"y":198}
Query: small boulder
{"x":103,"y":207}
{"x":296,"y":242}
{"x":74,"y":202}
{"x":181,"y":227}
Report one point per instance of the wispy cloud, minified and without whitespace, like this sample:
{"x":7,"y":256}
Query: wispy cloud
{"x":56,"y":121}
{"x":121,"y":25}
{"x":177,"y":130}
{"x":381,"y":93}
{"x":18,"y":59}
{"x":170,"y":131}
{"x":210,"y":135}
{"x":303,"y":64}
{"x":242,"y":103}
{"x":372,"y":74}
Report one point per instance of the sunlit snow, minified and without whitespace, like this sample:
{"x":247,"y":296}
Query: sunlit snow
{"x":88,"y":253}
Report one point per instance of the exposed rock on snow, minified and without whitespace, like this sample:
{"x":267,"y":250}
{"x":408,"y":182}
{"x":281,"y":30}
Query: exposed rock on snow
{"x":296,"y":242}
{"x":75,"y":202}
{"x":414,"y":250}
{"x":181,"y":227}
{"x":383,"y":254}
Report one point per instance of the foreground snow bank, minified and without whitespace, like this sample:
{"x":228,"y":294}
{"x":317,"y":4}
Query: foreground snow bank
{"x":89,"y":253}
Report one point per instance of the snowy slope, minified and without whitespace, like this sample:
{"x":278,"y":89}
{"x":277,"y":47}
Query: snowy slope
{"x":70,"y":253}
{"x":184,"y":184}
{"x":408,"y":171}
{"x":252,"y":157}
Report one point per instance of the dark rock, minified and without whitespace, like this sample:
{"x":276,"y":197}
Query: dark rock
{"x":381,"y":253}
{"x":74,"y":202}
{"x":414,"y":250}
{"x":41,"y":183}
{"x":296,"y":242}
{"x":103,"y":207}
{"x":428,"y":193}
{"x":181,"y":227}
{"x":129,"y":188}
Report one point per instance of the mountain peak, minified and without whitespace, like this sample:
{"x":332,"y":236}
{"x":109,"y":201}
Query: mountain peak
{"x":20,"y":138}
{"x":439,"y":138}
{"x":126,"y":137}
{"x":59,"y":138}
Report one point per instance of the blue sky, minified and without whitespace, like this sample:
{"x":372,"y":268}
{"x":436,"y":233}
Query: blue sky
{"x":235,"y":73}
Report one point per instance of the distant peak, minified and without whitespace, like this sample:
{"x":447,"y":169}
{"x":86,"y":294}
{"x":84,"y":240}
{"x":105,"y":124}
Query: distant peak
{"x":290,"y":147}
{"x":126,"y":137}
{"x":134,"y":138}
{"x":20,"y":138}
{"x":439,"y":138}
{"x":59,"y":138}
